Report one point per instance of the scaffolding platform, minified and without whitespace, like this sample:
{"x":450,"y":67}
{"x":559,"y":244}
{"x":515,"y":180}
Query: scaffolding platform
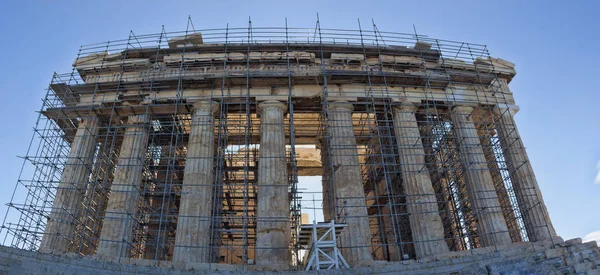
{"x":321,"y":241}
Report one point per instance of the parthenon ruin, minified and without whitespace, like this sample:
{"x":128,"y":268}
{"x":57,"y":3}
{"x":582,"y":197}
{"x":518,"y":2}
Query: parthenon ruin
{"x":190,"y":149}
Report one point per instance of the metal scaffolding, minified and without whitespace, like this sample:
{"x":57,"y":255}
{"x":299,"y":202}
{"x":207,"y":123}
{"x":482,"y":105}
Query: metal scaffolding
{"x":142,"y":89}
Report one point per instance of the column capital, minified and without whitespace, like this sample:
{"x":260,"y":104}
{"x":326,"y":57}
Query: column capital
{"x":341,"y":105}
{"x":207,"y":105}
{"x":462,"y":109}
{"x":406,"y":107}
{"x":272,"y":104}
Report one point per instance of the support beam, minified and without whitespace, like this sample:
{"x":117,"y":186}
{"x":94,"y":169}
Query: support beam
{"x":71,"y":189}
{"x":272,"y":225}
{"x":347,"y":182}
{"x":528,"y":193}
{"x":427,"y":227}
{"x":491,"y":226}
{"x":117,"y":234}
{"x":193,"y":235}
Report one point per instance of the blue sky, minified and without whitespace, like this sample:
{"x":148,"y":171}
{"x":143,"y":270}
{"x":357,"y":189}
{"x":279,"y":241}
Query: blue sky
{"x":553,"y":43}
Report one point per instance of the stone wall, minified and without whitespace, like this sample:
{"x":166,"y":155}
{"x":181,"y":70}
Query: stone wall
{"x":570,"y":257}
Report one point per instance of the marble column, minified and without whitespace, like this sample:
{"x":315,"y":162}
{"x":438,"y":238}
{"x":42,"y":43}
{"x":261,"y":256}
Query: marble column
{"x":71,"y":189}
{"x":528,"y":193}
{"x":96,"y":197}
{"x":193,"y":235}
{"x":117,"y":234}
{"x":326,"y":181}
{"x":273,"y":211}
{"x":427,"y":227}
{"x":438,"y":174}
{"x":491,"y":226}
{"x":485,"y":134}
{"x":348,"y":184}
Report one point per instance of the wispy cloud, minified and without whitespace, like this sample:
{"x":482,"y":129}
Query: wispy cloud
{"x":594,"y":236}
{"x":597,"y":181}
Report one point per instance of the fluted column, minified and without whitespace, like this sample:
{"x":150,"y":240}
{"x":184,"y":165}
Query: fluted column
{"x":193,"y":235}
{"x":348,"y":184}
{"x":328,"y":213}
{"x":272,"y":225}
{"x":485,"y":135}
{"x":427,"y":227}
{"x":117,"y":234}
{"x":491,"y":226}
{"x":71,"y":189}
{"x":528,"y":193}
{"x":438,"y":174}
{"x":96,"y":197}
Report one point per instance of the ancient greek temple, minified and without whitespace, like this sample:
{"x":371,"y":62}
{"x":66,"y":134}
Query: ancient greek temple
{"x":192,"y":147}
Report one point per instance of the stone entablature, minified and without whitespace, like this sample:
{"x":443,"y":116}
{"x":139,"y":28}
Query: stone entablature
{"x":400,"y":68}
